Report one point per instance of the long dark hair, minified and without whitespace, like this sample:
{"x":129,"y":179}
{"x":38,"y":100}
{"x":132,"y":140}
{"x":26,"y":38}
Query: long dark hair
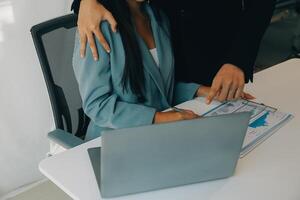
{"x":133,"y":74}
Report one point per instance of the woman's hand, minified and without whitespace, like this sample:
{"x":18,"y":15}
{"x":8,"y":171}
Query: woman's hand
{"x":91,"y":13}
{"x":247,"y":96}
{"x":171,"y":116}
{"x":203,"y":91}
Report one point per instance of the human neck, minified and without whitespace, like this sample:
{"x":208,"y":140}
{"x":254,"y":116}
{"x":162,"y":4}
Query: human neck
{"x":135,"y":8}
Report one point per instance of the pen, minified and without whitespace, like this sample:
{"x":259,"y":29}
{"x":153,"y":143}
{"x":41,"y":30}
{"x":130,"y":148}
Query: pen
{"x":274,"y":109}
{"x":177,"y":109}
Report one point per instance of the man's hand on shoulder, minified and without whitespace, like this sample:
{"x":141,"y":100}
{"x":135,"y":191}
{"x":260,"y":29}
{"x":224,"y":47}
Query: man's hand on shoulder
{"x":91,"y":13}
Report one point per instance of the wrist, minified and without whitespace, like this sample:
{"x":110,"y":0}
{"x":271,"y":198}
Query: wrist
{"x":232,"y":66}
{"x":161,"y":117}
{"x":157,"y":118}
{"x":200,"y":91}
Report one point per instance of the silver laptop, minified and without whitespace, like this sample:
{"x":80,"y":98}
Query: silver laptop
{"x":154,"y":157}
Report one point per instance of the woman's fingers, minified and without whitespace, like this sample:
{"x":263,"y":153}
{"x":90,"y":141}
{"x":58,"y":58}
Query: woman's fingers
{"x":248,"y":96}
{"x":232,"y":92}
{"x":214,"y":90}
{"x":239,"y":93}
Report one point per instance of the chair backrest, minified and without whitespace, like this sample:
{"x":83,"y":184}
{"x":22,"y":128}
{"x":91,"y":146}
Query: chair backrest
{"x":54,"y":44}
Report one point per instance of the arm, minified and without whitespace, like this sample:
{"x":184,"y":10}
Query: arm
{"x":100,"y":102}
{"x":243,"y":52}
{"x":237,"y":67}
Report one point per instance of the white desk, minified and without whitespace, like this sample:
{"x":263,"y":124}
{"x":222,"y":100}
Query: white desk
{"x":269,"y":172}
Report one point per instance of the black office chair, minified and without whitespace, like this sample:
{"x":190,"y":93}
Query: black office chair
{"x":54,"y":43}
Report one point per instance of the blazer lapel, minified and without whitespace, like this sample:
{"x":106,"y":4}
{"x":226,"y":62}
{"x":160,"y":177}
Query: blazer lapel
{"x":164,"y":52}
{"x":151,"y":68}
{"x":160,"y":75}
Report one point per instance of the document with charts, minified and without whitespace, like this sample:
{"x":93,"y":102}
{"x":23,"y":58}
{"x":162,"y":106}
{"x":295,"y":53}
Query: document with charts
{"x":264,"y":121}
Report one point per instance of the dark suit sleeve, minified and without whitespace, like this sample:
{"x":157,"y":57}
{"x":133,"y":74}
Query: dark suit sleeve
{"x":244,"y":49}
{"x":75,"y":6}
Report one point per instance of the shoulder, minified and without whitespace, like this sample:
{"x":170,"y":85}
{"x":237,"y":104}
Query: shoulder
{"x":88,"y":58}
{"x":113,"y":39}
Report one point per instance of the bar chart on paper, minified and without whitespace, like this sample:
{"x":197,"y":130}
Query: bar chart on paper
{"x":264,"y":121}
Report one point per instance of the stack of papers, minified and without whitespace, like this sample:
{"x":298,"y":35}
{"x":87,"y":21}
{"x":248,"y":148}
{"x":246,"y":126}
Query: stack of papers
{"x":264,"y":121}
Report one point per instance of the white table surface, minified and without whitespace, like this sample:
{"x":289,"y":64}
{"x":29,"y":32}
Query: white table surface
{"x":271,"y":171}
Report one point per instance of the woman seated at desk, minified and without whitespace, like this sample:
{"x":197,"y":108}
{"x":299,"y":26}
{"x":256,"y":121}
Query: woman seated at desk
{"x":133,"y":83}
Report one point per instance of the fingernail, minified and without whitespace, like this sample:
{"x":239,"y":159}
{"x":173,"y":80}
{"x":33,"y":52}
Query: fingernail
{"x":81,"y":55}
{"x":108,"y":50}
{"x":95,"y":58}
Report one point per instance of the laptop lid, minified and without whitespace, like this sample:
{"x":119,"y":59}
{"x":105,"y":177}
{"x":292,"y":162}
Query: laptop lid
{"x":166,"y":155}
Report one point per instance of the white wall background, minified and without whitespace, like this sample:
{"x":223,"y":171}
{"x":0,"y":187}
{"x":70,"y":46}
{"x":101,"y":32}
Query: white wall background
{"x":25,"y":112}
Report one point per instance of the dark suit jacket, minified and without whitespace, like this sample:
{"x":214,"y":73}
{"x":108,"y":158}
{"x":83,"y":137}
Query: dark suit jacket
{"x":208,"y":34}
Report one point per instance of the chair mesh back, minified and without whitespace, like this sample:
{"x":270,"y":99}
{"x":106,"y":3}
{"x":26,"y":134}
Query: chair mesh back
{"x":54,"y":41}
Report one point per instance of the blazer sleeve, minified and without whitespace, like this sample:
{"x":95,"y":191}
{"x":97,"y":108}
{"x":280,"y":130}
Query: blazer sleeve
{"x":184,"y":92}
{"x":254,"y":22}
{"x":99,"y":101}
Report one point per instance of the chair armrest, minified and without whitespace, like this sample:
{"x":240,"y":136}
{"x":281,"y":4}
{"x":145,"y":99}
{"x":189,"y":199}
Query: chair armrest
{"x":64,"y":139}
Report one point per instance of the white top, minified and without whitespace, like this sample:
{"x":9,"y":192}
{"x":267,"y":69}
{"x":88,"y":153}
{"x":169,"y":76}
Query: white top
{"x":270,"y":171}
{"x":155,"y":56}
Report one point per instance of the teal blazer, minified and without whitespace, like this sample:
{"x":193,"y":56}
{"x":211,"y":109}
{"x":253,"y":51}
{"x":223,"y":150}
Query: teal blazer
{"x":103,"y":98}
